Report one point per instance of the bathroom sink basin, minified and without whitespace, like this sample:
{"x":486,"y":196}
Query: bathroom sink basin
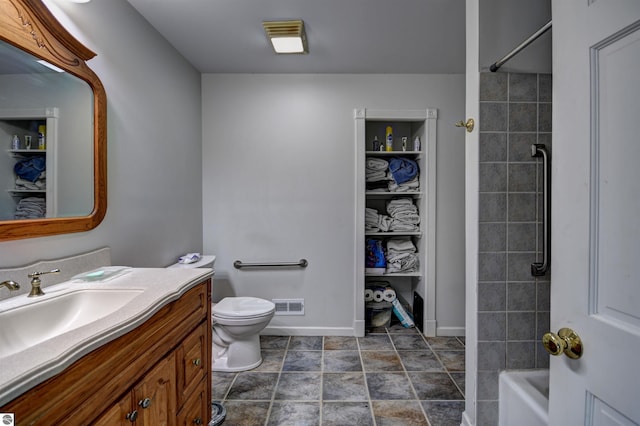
{"x":37,"y":320}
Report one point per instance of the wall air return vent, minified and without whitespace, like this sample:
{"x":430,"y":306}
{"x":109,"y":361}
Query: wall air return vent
{"x":289,"y":306}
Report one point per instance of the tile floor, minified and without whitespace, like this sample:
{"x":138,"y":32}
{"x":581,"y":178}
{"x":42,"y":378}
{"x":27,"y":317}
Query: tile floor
{"x":392,"y":376}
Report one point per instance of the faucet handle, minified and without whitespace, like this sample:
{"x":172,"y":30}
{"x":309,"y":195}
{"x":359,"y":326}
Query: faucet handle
{"x":37,"y":274}
{"x":35,"y":282}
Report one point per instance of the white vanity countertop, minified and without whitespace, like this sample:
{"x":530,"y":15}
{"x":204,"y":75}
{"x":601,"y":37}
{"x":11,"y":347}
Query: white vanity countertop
{"x":23,"y":370}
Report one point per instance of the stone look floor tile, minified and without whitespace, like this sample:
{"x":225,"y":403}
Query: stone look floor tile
{"x":398,"y":413}
{"x":381,"y":361}
{"x":392,"y":376}
{"x":255,"y":386}
{"x":407,"y":342}
{"x":420,"y":361}
{"x":302,"y":361}
{"x":375,"y":342}
{"x":335,"y":361}
{"x":443,"y":413}
{"x":338,"y":343}
{"x":305,"y":343}
{"x":243,"y":413}
{"x":389,"y":386}
{"x":430,"y":386}
{"x":344,"y":387}
{"x":299,"y":386}
{"x":452,"y":360}
{"x":346,"y":413}
{"x":285,"y":413}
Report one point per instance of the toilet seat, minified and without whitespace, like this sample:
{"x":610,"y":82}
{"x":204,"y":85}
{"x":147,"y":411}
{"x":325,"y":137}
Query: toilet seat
{"x":242,"y":307}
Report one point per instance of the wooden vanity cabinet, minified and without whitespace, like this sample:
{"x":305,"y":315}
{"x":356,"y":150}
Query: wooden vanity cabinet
{"x":157,"y":374}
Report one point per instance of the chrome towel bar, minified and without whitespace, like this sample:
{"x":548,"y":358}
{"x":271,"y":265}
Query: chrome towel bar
{"x":239,"y":265}
{"x":538,"y":269}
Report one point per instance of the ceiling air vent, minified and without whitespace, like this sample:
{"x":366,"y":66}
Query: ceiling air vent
{"x":289,"y":306}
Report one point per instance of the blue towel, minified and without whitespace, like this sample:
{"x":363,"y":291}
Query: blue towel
{"x":402,"y":169}
{"x":30,"y":168}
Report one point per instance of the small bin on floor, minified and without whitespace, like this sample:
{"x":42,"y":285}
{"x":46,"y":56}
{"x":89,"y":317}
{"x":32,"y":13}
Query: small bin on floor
{"x":378,"y":314}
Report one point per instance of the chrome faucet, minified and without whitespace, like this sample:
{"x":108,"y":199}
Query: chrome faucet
{"x":35,"y":282}
{"x":11,"y":285}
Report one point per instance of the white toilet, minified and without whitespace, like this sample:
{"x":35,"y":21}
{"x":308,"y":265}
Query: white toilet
{"x":237,"y":322}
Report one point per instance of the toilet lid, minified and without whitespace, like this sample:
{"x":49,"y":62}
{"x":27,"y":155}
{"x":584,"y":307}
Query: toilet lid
{"x":238,"y":307}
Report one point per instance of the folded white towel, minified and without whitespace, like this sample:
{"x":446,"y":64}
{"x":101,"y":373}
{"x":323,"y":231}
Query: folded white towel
{"x":377,"y":164}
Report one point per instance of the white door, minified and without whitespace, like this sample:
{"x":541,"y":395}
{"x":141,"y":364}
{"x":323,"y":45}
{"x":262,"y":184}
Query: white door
{"x":595,"y":218}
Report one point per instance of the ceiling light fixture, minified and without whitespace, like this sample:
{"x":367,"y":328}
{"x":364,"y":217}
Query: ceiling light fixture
{"x":287,"y":36}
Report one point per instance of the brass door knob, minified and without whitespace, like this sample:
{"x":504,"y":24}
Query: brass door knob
{"x":566,"y":341}
{"x":469,"y":124}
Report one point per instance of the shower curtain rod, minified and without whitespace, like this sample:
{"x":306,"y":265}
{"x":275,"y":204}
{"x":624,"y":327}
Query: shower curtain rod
{"x":521,"y":46}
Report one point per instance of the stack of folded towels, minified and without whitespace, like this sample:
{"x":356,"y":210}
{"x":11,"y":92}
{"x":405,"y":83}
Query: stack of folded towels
{"x":376,"y":174}
{"x":31,"y":208}
{"x":376,"y":222}
{"x":404,"y":173}
{"x":404,"y":215}
{"x":395,"y":175}
{"x":401,"y":255}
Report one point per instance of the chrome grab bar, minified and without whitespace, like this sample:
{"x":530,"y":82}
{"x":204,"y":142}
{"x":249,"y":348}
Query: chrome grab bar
{"x":538,"y":269}
{"x":239,"y":265}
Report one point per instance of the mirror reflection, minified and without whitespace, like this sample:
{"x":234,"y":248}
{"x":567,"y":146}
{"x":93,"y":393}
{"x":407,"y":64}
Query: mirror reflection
{"x":46,"y":135}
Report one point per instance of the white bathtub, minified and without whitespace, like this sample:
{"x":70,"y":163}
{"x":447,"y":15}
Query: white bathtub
{"x":524,"y":398}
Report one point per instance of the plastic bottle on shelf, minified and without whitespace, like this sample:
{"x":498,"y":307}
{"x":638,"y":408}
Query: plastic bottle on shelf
{"x":389,"y":138}
{"x":42,"y":130}
{"x":376,"y":144}
{"x":15,"y":142}
{"x":416,"y":143}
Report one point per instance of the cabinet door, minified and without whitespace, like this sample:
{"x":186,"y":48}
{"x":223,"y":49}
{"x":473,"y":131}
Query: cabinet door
{"x":196,"y":410}
{"x":118,"y":414}
{"x":191,"y":358}
{"x":155,"y":396}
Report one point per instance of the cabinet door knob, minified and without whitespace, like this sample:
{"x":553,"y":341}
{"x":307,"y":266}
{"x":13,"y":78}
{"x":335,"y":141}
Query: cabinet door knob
{"x":132,"y":416}
{"x":197,"y":421}
{"x":197,"y":362}
{"x":145,"y":403}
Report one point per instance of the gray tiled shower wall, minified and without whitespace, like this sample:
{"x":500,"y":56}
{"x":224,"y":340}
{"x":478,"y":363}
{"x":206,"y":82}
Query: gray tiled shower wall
{"x":513,"y":306}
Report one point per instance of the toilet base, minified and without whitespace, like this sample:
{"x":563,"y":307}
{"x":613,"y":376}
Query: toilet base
{"x":239,"y":355}
{"x":220,"y":364}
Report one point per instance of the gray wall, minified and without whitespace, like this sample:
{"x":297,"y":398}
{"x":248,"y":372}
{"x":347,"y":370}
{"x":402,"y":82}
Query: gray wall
{"x":154,"y":143}
{"x":513,"y":306}
{"x":279,"y":185}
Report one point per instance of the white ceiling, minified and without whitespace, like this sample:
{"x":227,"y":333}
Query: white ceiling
{"x":345,"y":36}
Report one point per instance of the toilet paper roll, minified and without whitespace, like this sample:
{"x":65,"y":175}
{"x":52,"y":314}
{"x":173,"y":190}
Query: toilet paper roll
{"x":378,"y":295}
{"x":389,"y":295}
{"x":368,"y":295}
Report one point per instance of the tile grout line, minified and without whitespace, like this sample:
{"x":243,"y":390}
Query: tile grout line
{"x":366,"y":385}
{"x":404,"y":368}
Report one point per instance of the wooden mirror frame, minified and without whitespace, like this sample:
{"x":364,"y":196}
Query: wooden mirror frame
{"x":31,"y":27}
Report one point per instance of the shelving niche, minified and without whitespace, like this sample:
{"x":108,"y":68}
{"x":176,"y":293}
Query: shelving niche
{"x":372,"y":123}
{"x":25,"y":121}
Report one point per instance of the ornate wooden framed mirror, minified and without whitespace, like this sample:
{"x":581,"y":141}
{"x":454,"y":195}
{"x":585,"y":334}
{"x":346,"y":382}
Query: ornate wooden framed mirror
{"x":30,"y":32}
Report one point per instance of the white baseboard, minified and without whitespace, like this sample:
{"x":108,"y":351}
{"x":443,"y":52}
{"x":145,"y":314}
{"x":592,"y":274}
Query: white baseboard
{"x":450,"y":331}
{"x":308,"y":331}
{"x":429,"y":328}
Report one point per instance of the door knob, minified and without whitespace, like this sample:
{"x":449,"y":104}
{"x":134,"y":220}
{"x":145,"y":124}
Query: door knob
{"x":468,"y":124}
{"x":566,"y":341}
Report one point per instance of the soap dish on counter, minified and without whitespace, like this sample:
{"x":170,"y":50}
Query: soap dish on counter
{"x":102,"y":274}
